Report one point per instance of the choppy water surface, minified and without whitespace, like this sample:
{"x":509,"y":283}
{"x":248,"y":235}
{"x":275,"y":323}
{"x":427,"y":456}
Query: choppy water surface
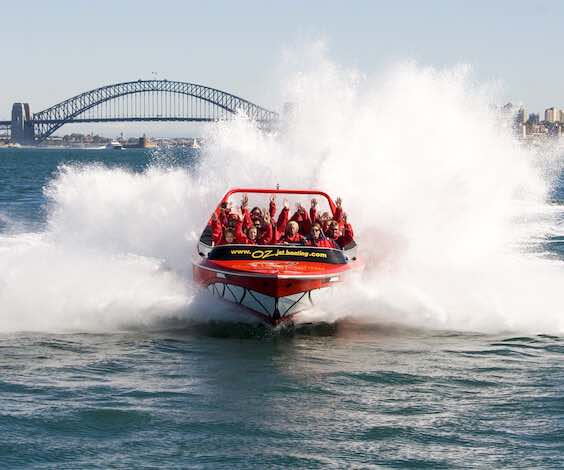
{"x":356,"y":398}
{"x":193,"y":395}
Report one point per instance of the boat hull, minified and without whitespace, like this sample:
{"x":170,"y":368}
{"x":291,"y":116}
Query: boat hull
{"x":272,"y":289}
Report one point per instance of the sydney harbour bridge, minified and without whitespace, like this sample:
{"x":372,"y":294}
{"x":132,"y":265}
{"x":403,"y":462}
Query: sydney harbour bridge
{"x":140,"y":100}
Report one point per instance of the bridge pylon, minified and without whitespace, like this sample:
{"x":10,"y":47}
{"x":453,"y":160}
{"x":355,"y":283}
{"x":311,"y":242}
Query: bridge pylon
{"x":22,"y":129}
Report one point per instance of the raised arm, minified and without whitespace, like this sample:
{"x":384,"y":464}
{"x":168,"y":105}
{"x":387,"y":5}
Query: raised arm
{"x":283,"y":217}
{"x":313,"y":211}
{"x":247,"y":222}
{"x":240,"y":236}
{"x":272,"y":206}
{"x":339,"y":210}
{"x":348,"y":235}
{"x":305,"y":221}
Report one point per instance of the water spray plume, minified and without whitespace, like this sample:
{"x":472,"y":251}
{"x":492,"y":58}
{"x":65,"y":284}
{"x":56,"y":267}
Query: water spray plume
{"x":447,"y":206}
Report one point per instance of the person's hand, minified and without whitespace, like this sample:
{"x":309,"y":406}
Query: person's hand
{"x":266,"y":217}
{"x":339,"y":202}
{"x":272,"y":198}
{"x":345,"y":218}
{"x":299,"y":207}
{"x":286,"y":204}
{"x":214,"y":216}
{"x":314,"y":203}
{"x":245,"y":200}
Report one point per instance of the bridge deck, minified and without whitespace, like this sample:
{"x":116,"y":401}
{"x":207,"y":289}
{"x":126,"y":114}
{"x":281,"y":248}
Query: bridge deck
{"x":132,"y":119}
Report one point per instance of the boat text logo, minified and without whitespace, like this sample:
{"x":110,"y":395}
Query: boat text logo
{"x":278,"y":253}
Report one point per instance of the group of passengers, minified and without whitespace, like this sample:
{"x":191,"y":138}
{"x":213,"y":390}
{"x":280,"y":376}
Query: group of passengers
{"x":259,"y":227}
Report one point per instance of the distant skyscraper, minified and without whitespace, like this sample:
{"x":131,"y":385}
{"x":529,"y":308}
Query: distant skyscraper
{"x":534,"y":118}
{"x":522,"y":115}
{"x":552,"y":115}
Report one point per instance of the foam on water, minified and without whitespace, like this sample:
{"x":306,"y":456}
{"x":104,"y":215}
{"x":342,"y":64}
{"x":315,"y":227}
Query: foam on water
{"x":448,"y":209}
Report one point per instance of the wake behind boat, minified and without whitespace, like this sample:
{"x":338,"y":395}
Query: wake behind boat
{"x":275,"y":269}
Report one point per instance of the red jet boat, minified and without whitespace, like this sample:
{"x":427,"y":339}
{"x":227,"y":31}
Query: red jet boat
{"x":272,"y":282}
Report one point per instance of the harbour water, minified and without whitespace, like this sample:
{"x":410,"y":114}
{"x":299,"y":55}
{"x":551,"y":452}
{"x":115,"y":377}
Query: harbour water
{"x":173,"y":393}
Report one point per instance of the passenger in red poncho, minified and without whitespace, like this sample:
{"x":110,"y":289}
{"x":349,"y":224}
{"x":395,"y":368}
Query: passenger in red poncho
{"x":302,"y":218}
{"x":217,"y":229}
{"x":317,"y":238}
{"x":259,"y":233}
{"x":313,"y":217}
{"x":279,"y":229}
{"x":256,"y":213}
{"x":249,"y":238}
{"x":228,"y":237}
{"x":266,"y":230}
{"x":292,"y":235}
{"x":342,"y":239}
{"x":325,"y":218}
{"x":221,"y":235}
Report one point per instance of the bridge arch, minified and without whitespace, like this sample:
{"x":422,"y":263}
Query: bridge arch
{"x":218,"y":105}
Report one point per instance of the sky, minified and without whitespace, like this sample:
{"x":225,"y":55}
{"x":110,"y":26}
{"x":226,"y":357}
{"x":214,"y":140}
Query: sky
{"x":54,"y":50}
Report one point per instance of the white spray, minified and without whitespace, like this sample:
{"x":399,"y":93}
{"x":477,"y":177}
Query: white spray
{"x":444,"y":201}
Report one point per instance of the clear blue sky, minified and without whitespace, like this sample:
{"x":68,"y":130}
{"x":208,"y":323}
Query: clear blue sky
{"x":52,"y":50}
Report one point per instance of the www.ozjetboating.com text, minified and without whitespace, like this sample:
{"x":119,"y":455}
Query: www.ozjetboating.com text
{"x":264,"y":254}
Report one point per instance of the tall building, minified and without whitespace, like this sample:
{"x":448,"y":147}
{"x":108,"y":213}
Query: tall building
{"x":534,"y":118}
{"x":522,"y":115}
{"x":552,"y":115}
